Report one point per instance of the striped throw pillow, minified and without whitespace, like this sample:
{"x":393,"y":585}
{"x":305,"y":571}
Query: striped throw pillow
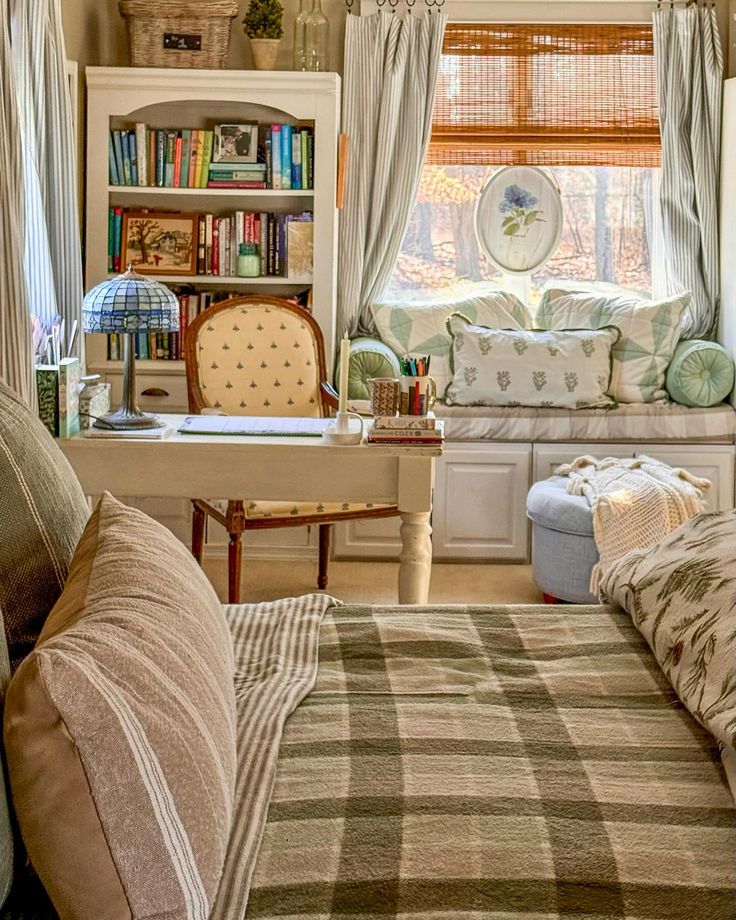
{"x":42,"y":514}
{"x":120,"y":730}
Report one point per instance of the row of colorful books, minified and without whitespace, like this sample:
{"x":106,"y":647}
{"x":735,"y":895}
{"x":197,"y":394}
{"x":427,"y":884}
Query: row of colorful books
{"x":276,"y":156}
{"x":284,"y":243}
{"x":169,"y":346}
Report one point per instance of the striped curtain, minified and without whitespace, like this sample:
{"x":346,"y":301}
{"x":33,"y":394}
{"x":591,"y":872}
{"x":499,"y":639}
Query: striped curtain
{"x":390,"y":74}
{"x":53,"y":246}
{"x":689,"y":80}
{"x":16,"y":360}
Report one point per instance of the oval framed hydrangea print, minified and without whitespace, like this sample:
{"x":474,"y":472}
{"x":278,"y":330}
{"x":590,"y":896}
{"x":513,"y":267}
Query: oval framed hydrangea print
{"x":518,"y":220}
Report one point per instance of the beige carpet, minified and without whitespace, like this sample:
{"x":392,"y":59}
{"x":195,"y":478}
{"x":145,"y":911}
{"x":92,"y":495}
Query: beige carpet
{"x":375,"y":582}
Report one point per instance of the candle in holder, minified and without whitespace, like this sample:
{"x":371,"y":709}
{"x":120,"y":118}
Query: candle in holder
{"x":344,"y":369}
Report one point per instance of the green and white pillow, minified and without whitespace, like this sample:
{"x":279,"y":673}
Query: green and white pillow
{"x":499,"y":367}
{"x":650,"y":331}
{"x":420,"y":328}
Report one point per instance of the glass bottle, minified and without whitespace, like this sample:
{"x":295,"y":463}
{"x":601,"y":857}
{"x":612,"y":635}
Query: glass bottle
{"x":249,"y":261}
{"x":300,"y":46}
{"x":317,"y":39}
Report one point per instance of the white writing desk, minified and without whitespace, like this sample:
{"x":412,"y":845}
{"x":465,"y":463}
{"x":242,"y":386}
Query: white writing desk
{"x":271,"y":469}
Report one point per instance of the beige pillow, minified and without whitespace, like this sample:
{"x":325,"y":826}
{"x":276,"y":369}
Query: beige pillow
{"x":120,"y":729}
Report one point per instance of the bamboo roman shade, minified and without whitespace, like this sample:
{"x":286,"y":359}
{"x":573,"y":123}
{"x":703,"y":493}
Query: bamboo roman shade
{"x":549,"y":94}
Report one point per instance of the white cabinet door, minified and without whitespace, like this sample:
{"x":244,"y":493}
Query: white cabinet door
{"x":373,"y":538}
{"x":713,"y":462}
{"x":547,"y":457}
{"x":480,"y":502}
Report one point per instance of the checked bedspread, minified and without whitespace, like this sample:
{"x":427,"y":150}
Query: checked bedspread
{"x":500,"y":762}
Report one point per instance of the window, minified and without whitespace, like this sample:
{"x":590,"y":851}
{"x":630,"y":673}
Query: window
{"x":577,"y":99}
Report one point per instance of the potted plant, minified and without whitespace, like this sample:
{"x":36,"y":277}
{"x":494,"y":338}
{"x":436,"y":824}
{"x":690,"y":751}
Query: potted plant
{"x":263,"y":26}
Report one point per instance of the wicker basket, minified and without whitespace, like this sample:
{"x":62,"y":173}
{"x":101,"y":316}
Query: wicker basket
{"x":193,"y":33}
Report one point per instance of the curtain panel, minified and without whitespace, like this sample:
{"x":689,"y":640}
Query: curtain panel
{"x":16,"y":360}
{"x":689,"y":64}
{"x":53,"y":245}
{"x":389,"y":86}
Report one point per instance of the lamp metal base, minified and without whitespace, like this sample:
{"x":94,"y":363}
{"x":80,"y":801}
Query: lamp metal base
{"x":124,"y":420}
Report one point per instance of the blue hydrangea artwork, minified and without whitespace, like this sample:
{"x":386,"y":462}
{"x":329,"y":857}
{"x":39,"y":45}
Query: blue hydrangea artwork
{"x":520,"y":211}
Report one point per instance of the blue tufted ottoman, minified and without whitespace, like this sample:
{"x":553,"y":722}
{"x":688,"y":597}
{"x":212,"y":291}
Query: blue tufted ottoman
{"x":563,"y":548}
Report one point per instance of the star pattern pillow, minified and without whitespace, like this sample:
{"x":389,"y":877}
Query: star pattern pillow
{"x":420,"y":328}
{"x":650,"y":331}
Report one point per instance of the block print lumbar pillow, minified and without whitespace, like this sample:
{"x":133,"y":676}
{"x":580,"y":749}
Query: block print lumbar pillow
{"x":499,"y":367}
{"x":419,"y":329}
{"x":650,"y":331}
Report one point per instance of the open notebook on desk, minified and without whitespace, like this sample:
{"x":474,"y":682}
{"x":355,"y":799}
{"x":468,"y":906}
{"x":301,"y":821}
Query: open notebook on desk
{"x":254,"y":425}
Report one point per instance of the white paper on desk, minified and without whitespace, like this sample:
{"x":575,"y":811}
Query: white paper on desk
{"x":253,"y":425}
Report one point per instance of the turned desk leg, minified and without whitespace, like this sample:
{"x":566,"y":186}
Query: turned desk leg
{"x":416,"y":558}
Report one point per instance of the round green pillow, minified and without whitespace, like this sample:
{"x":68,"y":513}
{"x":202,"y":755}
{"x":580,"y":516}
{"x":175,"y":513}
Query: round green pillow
{"x":369,"y":358}
{"x":700,"y":373}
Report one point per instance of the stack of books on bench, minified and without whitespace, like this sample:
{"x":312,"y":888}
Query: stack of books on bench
{"x":421,"y":430}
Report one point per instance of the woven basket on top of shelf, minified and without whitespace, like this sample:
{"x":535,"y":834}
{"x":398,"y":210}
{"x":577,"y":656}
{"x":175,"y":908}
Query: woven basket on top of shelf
{"x":192,"y":33}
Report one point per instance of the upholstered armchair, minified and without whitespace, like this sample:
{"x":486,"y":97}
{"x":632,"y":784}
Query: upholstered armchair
{"x":258,"y":355}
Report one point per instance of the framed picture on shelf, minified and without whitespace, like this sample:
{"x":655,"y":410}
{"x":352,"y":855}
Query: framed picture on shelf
{"x":160,"y":243}
{"x":235,"y":144}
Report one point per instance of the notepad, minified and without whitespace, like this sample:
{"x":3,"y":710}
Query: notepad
{"x":254,"y":426}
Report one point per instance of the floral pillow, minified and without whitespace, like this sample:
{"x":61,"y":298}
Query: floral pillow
{"x":506,"y":367}
{"x":681,"y":595}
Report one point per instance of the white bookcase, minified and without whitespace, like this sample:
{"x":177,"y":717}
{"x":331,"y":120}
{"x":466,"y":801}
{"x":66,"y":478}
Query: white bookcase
{"x":162,"y":98}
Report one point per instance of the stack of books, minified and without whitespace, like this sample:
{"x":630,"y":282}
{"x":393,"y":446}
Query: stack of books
{"x":421,"y":430}
{"x":237,"y":175}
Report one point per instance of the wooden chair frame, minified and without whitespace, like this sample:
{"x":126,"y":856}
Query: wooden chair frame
{"x":235,"y":520}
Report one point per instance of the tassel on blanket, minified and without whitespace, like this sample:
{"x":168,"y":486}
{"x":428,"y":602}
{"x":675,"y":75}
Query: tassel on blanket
{"x":635,"y":501}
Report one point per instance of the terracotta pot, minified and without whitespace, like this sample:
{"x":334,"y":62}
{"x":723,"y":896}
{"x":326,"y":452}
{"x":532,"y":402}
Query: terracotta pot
{"x":265,"y":51}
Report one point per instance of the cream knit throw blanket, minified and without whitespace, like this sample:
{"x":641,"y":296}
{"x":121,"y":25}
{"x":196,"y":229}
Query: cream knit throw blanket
{"x":635,"y":502}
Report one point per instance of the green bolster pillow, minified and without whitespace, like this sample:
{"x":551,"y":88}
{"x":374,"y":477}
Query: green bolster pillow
{"x":369,"y":358}
{"x":700,"y":374}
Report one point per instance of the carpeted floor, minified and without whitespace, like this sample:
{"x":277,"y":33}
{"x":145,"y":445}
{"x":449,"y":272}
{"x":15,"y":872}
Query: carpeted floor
{"x":375,"y":582}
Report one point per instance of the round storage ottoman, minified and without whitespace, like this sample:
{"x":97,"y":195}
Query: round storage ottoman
{"x":563,"y":548}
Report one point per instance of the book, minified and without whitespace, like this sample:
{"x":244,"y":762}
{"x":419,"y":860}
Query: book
{"x":69,"y":374}
{"x":398,"y":422}
{"x":286,"y":134}
{"x":118,"y":149}
{"x":300,"y":244}
{"x":170,"y":156}
{"x":296,"y":160}
{"x":114,"y":177}
{"x":276,"y":156}
{"x":177,"y":161}
{"x":117,"y":238}
{"x":140,"y":434}
{"x":133,"y":148}
{"x":110,"y":240}
{"x":160,"y":157}
{"x":186,"y":143}
{"x":125,"y":147}
{"x":224,"y":166}
{"x":47,"y":390}
{"x":215,"y":245}
{"x":306,"y":172}
{"x":141,"y":145}
{"x":206,"y":157}
{"x":239,"y":184}
{"x":193,"y":156}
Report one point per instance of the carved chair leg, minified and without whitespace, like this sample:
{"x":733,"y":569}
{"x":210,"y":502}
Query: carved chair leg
{"x":198,"y":522}
{"x":324,"y":554}
{"x":234,"y":567}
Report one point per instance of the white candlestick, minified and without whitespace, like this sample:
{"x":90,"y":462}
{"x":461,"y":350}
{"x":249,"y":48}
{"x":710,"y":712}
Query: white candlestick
{"x":344,"y":368}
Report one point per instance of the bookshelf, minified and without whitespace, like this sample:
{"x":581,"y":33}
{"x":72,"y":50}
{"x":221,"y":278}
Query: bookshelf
{"x":118,"y":97}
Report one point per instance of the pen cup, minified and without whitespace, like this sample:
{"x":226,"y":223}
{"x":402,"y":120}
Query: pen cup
{"x":418,"y":395}
{"x":384,"y":396}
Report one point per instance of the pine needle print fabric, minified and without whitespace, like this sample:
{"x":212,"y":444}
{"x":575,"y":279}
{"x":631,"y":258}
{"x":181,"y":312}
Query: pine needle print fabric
{"x":681,"y":595}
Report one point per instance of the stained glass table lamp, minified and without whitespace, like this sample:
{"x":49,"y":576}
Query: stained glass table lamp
{"x":128,"y":304}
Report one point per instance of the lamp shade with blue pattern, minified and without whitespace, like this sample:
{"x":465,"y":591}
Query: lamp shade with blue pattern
{"x":126,"y":305}
{"x":130,"y":303}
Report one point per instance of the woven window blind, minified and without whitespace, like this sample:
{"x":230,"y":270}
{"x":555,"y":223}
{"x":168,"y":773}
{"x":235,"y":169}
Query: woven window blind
{"x":554,"y":95}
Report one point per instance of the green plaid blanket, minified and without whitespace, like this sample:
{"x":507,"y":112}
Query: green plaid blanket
{"x":496,"y":763}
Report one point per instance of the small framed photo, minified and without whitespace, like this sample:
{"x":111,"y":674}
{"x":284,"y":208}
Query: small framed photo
{"x":236,"y":144}
{"x":160,"y":243}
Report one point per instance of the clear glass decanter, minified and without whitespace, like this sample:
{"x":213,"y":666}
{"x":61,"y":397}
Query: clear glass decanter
{"x":300,"y":36}
{"x":317,"y":39}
